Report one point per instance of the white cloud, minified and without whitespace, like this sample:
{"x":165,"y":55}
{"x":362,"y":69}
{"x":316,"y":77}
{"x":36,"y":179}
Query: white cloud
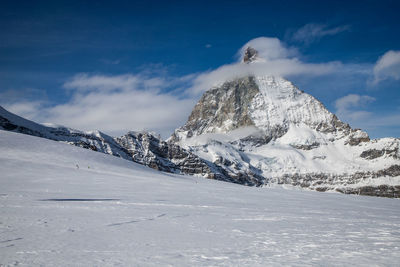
{"x":277,"y":59}
{"x":268,"y":48}
{"x":351,"y":109}
{"x":25,"y":102}
{"x":387,"y":66}
{"x":313,"y":32}
{"x":352,"y":100}
{"x":84,"y":82}
{"x":348,"y":107}
{"x":26,"y":109}
{"x":117,"y":104}
{"x":114,"y":104}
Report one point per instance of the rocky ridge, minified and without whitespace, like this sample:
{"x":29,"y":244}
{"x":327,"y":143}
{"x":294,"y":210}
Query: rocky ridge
{"x":141,"y":147}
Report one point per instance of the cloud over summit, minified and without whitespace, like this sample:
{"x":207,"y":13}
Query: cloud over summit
{"x":275,"y":58}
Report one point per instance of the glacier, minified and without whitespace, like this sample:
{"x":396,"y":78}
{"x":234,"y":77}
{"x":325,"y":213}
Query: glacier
{"x":63,"y":205}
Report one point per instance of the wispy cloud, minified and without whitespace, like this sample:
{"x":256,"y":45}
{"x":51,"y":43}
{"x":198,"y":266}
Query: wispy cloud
{"x":313,"y":32}
{"x":275,"y":59}
{"x":387,"y":67}
{"x":25,"y":108}
{"x":26,"y":102}
{"x":352,"y":100}
{"x":85,"y":82}
{"x":110,"y":62}
{"x":114,"y":104}
{"x":352,"y":109}
{"x":349,"y":107}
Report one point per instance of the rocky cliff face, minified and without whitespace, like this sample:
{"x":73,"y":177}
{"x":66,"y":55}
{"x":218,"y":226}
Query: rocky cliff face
{"x":149,"y":150}
{"x":270,"y":104}
{"x":222,"y":109}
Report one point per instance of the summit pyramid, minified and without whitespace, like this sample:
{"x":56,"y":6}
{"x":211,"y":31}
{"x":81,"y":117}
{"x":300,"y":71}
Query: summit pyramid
{"x":263,"y":130}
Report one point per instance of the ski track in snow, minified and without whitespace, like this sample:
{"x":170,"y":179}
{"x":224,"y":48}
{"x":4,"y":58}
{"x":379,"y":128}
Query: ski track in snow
{"x":120,"y":213}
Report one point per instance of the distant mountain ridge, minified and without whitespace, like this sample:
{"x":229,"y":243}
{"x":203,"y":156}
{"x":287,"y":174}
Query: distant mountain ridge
{"x":140,"y":147}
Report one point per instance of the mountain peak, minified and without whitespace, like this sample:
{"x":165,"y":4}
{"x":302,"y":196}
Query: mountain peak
{"x":250,"y":55}
{"x":269,"y":103}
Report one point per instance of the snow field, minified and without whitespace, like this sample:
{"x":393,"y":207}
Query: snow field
{"x":61,"y":205}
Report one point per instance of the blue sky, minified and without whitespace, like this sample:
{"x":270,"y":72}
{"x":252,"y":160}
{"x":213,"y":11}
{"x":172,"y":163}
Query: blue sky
{"x":133,"y":65}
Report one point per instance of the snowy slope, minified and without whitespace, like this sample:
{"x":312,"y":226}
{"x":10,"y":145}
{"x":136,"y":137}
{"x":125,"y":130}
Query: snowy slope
{"x":141,"y":147}
{"x":94,"y":140}
{"x":110,"y":211}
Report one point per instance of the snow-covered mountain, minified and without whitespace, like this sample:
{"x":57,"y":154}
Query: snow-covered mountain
{"x":252,"y":130}
{"x":141,"y":147}
{"x":263,"y":130}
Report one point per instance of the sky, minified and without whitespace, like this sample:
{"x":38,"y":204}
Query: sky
{"x":118,"y":66}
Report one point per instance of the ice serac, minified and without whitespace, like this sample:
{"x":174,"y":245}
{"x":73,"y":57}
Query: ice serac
{"x":268,"y":132}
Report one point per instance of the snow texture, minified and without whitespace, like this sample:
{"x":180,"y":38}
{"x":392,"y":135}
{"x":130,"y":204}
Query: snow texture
{"x":66,"y":206}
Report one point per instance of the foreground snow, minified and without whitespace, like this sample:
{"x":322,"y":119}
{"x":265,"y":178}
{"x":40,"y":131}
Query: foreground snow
{"x":63,"y":205}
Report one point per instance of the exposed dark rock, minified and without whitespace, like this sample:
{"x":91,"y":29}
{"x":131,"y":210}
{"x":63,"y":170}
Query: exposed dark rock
{"x":321,"y":189}
{"x":306,"y":147}
{"x":378,"y":191}
{"x":230,"y":102}
{"x":9,"y":126}
{"x":84,"y":145}
{"x":374,"y":153}
{"x":319,"y":157}
{"x":338,"y":182}
{"x":355,"y":138}
{"x":250,"y":54}
{"x":146,"y":149}
{"x":392,"y":171}
{"x":333,"y":125}
{"x":252,"y":140}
